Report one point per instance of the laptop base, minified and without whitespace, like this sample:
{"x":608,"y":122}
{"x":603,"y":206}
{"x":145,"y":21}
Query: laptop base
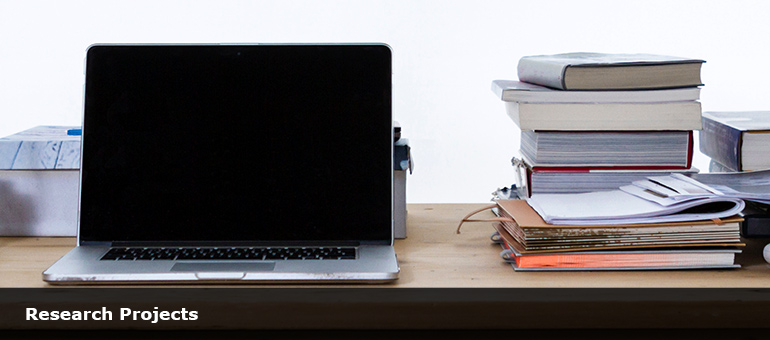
{"x":82,"y":265}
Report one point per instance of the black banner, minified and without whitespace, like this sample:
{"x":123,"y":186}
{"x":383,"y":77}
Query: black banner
{"x":369,"y":308}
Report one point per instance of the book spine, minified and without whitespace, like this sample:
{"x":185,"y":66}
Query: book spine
{"x":690,"y":146}
{"x":529,"y":182}
{"x":721,"y":143}
{"x":541,"y":73}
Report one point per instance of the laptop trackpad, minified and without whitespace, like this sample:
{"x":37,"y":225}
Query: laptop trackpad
{"x":243,"y":267}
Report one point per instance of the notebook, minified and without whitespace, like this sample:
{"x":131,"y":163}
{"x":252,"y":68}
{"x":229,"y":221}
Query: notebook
{"x":235,"y":163}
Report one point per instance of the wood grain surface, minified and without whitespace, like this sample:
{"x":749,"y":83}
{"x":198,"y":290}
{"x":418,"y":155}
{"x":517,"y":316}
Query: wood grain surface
{"x":433,"y":255}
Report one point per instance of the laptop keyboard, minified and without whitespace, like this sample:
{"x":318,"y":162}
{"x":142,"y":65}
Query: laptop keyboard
{"x":250,"y":253}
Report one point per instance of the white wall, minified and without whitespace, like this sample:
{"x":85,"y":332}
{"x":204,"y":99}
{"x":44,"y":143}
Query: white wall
{"x":446,"y":53}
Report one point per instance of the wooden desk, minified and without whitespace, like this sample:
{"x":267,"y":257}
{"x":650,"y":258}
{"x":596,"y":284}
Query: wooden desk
{"x":433,"y":256}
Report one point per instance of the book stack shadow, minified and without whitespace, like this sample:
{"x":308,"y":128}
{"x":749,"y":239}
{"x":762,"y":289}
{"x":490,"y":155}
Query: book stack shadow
{"x":594,"y":122}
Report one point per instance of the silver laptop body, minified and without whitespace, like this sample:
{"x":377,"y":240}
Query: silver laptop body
{"x":235,"y":163}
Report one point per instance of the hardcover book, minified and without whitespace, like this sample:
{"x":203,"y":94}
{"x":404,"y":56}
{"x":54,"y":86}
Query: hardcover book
{"x":608,"y":149}
{"x":571,"y":180}
{"x":603,"y":71}
{"x":738,"y":140}
{"x":671,"y":116}
{"x":517,"y":91}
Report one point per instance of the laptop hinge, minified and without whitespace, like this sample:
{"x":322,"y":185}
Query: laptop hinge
{"x":376,"y":243}
{"x":96,"y":243}
{"x":227,"y":244}
{"x":198,"y":244}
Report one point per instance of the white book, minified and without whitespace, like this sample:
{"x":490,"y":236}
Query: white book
{"x":673,"y":116}
{"x":517,"y":91}
{"x":662,"y":149}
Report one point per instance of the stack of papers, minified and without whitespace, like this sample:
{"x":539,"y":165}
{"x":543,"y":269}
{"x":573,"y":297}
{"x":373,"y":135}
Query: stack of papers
{"x":673,"y":198}
{"x":662,"y":222}
{"x":530,"y":243}
{"x":750,"y":186}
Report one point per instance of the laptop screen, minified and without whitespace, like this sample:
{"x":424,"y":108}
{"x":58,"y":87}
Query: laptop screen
{"x":237,"y":143}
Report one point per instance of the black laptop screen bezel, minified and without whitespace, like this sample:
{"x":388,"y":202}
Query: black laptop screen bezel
{"x":103,"y":215}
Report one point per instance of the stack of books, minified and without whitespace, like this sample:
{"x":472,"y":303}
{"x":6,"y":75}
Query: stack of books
{"x":605,"y":139}
{"x":593,"y":121}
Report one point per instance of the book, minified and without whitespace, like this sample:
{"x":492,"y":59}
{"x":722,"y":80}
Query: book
{"x":535,"y":235}
{"x":625,"y":259}
{"x":563,"y":180}
{"x":673,"y":116}
{"x":517,"y":91}
{"x":604,"y":71}
{"x":597,"y":149}
{"x":671,"y":198}
{"x":738,"y":140}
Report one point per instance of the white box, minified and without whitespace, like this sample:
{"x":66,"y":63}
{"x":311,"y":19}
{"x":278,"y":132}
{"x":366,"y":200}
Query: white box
{"x":39,"y":178}
{"x":38,"y":202}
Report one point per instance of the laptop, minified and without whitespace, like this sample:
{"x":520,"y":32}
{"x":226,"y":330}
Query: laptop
{"x":235,"y":163}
